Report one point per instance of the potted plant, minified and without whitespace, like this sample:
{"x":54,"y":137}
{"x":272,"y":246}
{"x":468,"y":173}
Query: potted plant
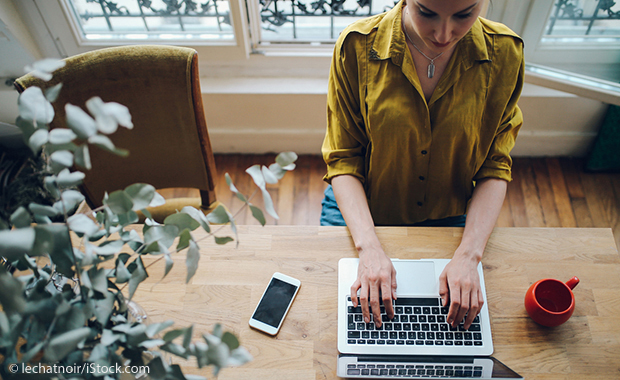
{"x":68,"y":280}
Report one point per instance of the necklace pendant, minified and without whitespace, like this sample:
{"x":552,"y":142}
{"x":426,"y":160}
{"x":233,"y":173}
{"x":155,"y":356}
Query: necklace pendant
{"x":430,"y":71}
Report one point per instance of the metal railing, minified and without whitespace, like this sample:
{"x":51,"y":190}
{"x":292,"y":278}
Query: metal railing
{"x":573,"y":10}
{"x":157,"y":16}
{"x":277,"y":15}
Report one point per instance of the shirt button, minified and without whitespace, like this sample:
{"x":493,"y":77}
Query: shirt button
{"x":424,"y":152}
{"x":420,"y":203}
{"x":422,"y":178}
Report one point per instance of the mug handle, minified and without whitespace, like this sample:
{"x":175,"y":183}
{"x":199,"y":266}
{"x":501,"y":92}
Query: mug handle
{"x":572,"y":282}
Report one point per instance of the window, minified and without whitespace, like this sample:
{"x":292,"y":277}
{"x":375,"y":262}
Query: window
{"x":579,"y":36}
{"x":152,"y":20}
{"x":218,"y":29}
{"x":311,"y":21}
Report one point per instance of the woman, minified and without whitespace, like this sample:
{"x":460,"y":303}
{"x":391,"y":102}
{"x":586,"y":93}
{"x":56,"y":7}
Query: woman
{"x":422,"y":115}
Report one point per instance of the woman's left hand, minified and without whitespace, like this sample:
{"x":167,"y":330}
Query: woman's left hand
{"x":459,"y":286}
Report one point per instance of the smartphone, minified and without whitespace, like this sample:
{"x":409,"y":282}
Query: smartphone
{"x":274,"y":303}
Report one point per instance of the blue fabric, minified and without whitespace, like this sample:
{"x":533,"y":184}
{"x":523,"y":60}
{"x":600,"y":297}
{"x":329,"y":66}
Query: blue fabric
{"x":331,"y":215}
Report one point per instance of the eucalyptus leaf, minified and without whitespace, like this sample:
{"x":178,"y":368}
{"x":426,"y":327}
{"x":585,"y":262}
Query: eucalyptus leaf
{"x":44,"y":210}
{"x":219,"y":215}
{"x":27,"y":127}
{"x":51,"y":186}
{"x":51,"y":94}
{"x":122,"y":274}
{"x":66,"y":178}
{"x":82,"y":157}
{"x":191,"y":260}
{"x":157,"y":201}
{"x":239,"y":356}
{"x":14,"y":243}
{"x":230,"y":340}
{"x":187,"y":336}
{"x":33,"y":106}
{"x":42,"y":219}
{"x":173,"y":334}
{"x":223,"y":240}
{"x":257,"y":213}
{"x":80,"y":122}
{"x":163,"y":234}
{"x":20,"y":218}
{"x":11,"y":296}
{"x":153,"y":329}
{"x":108,"y":337}
{"x":44,"y":68}
{"x":61,"y":345}
{"x":285,"y":159}
{"x":109,"y":247}
{"x":119,"y":202}
{"x":151,"y":343}
{"x":102,"y":142}
{"x":242,"y":197}
{"x":184,"y":238}
{"x":141,"y":194}
{"x":269,"y":204}
{"x":61,"y":136}
{"x":198,"y":216}
{"x":69,"y":200}
{"x":182,"y":221}
{"x":257,"y":175}
{"x":268,"y":175}
{"x":128,"y":218}
{"x":169,"y":264}
{"x":63,"y":158}
{"x":82,"y":224}
{"x":109,"y":115}
{"x":137,"y":276}
{"x":37,"y":140}
{"x":59,"y":250}
{"x":277,"y":170}
{"x":103,"y":308}
{"x":230,"y":184}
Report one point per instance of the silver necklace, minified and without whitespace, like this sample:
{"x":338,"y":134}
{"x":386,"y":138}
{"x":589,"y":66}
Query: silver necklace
{"x":430,"y":70}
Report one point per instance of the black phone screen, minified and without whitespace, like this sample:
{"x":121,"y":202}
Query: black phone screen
{"x":274,"y":303}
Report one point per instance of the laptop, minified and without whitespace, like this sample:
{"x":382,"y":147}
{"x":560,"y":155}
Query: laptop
{"x":418,"y":342}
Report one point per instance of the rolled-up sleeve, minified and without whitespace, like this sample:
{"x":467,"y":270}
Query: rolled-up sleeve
{"x":498,"y":163}
{"x":345,"y":143}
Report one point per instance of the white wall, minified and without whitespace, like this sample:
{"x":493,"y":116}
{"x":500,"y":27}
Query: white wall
{"x":257,"y":121}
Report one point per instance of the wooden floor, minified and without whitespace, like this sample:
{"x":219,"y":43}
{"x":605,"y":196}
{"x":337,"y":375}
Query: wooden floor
{"x":545,"y":192}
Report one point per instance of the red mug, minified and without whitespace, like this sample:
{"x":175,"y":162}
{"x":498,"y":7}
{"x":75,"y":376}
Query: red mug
{"x":551,"y":302}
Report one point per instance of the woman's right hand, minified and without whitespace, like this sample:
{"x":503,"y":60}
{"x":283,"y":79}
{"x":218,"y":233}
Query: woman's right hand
{"x":376,"y":280}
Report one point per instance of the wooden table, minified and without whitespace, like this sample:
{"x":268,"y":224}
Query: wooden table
{"x":230,"y":281}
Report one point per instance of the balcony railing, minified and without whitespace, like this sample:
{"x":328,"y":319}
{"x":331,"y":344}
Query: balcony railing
{"x":153,"y":19}
{"x":313,"y":20}
{"x":584,"y":18}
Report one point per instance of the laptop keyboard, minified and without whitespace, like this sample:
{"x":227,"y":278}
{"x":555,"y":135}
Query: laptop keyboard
{"x":413,"y":370}
{"x":417,"y":321}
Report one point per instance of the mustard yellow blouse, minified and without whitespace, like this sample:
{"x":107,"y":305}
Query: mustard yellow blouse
{"x":419,"y":160}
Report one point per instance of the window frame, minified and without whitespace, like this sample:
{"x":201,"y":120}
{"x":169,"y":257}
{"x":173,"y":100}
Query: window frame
{"x":528,"y":18}
{"x":60,"y":36}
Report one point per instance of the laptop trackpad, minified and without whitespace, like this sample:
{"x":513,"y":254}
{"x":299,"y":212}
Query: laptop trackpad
{"x":416,"y":277}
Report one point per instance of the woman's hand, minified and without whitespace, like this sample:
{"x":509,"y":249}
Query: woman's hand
{"x":459,"y":283}
{"x":375,"y":273}
{"x":376,"y":277}
{"x":459,"y":287}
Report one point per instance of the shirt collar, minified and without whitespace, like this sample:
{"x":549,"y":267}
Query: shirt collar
{"x":390,"y":40}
